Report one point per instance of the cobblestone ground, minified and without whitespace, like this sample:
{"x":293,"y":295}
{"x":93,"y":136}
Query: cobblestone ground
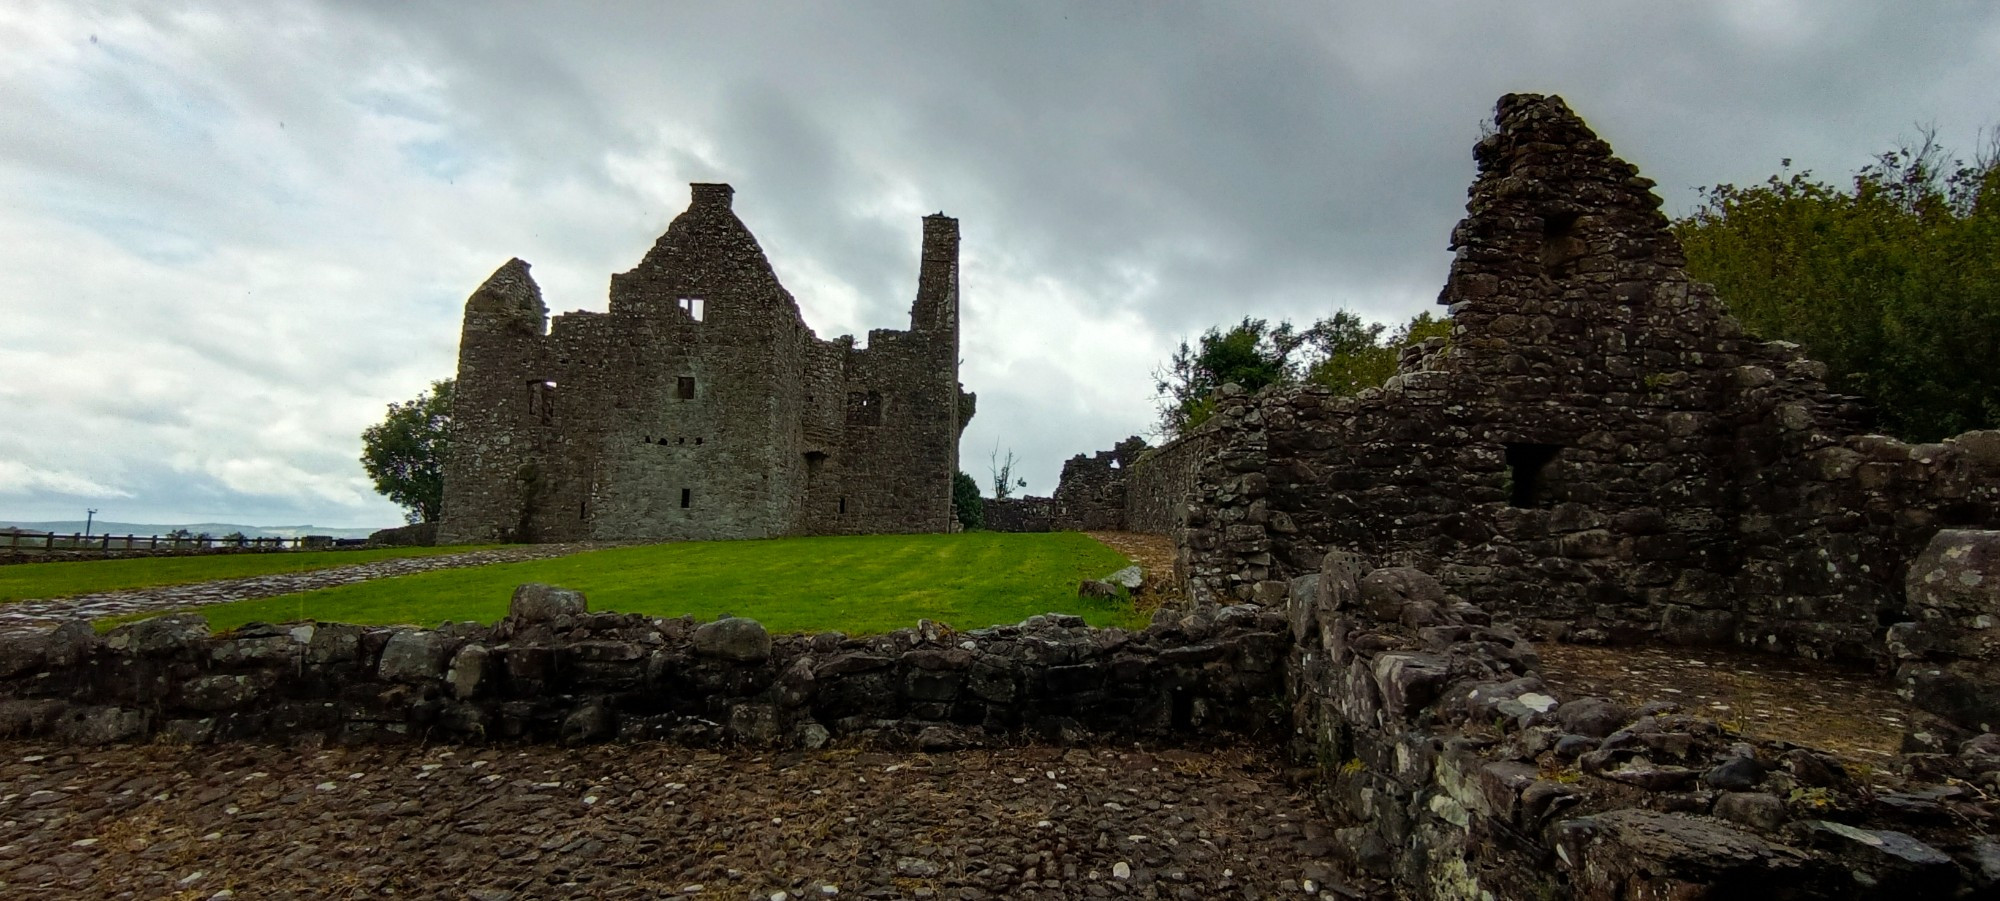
{"x":37,"y":614}
{"x":645,"y":821}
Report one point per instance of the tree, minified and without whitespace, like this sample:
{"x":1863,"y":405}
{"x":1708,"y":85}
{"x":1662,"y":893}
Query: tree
{"x":1355,"y":358}
{"x":965,"y":502}
{"x":1341,"y":352}
{"x":1893,"y":283}
{"x":405,"y":452}
{"x":1251,"y":354}
{"x":1002,"y":471}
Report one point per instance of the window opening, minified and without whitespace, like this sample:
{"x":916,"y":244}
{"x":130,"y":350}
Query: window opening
{"x":1527,"y":465}
{"x":843,"y":506}
{"x":686,"y":388}
{"x":864,"y":408}
{"x":687,"y":497}
{"x":814,"y":459}
{"x":1560,"y":246}
{"x":541,"y":399}
{"x":681,"y":440}
{"x":697,"y":440}
{"x":692,"y":306}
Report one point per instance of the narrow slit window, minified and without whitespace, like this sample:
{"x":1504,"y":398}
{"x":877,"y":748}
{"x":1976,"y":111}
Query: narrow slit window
{"x":693,"y":307}
{"x":1527,"y":472}
{"x":843,"y":506}
{"x":687,"y":498}
{"x":541,"y":399}
{"x":685,"y":388}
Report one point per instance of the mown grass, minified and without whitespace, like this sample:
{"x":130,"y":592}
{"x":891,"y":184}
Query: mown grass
{"x":23,"y":581}
{"x":862,"y":584}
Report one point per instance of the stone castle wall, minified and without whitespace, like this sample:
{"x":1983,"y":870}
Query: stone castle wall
{"x":701,"y":405}
{"x":1598,"y":451}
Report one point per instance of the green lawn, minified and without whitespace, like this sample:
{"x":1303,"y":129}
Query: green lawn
{"x":859,"y":584}
{"x":21,"y":581}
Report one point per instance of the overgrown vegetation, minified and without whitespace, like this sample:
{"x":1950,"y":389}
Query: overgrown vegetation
{"x":853,"y":583}
{"x":965,"y":502}
{"x":1892,"y":282}
{"x":1341,"y":352}
{"x":405,"y":452}
{"x":25,"y":581}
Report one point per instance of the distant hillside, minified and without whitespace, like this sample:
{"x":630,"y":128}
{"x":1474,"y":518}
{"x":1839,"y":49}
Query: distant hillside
{"x":214,"y":529}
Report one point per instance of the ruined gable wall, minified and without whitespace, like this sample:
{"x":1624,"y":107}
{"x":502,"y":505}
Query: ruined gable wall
{"x":496,"y":435}
{"x":722,"y":447}
{"x":1589,"y":452}
{"x":1091,"y":493}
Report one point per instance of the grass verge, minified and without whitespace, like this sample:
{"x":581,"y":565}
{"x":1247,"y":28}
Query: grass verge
{"x":24,"y":581}
{"x":859,"y":584}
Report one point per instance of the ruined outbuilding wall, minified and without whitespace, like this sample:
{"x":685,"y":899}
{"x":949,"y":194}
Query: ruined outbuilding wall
{"x":1160,"y":481}
{"x":701,"y":405}
{"x":1598,"y":451}
{"x":1019,"y":514}
{"x":1091,"y":494}
{"x":1452,"y":770}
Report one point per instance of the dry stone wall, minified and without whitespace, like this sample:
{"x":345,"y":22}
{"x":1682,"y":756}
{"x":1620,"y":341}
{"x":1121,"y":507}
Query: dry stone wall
{"x":1160,"y":482}
{"x":1452,"y":771}
{"x":1019,"y":514}
{"x":700,"y":405}
{"x":553,"y":671}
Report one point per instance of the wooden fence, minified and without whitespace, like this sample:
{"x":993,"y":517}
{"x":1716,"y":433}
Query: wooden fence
{"x":77,"y":542}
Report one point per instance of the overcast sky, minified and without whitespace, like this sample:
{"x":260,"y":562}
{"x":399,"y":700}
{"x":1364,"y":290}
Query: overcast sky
{"x":231,"y":232}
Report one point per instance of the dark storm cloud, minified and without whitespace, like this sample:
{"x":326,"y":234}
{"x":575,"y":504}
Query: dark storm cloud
{"x":263,"y":216}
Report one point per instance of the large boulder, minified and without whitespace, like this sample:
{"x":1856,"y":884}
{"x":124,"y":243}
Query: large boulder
{"x":414,"y":655}
{"x":734,"y":638}
{"x":1400,"y":593}
{"x":1957,"y":579}
{"x":537,"y":603}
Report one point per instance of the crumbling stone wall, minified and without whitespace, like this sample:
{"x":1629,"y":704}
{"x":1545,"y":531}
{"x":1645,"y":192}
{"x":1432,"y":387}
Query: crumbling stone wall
{"x":554,"y":671}
{"x":701,"y":405}
{"x":1090,"y":496}
{"x":1160,"y":481}
{"x":1452,"y":771}
{"x":1019,"y":514}
{"x":1597,"y":452}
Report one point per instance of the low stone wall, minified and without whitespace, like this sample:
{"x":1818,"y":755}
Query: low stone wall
{"x":551,"y":671}
{"x":1019,"y":514}
{"x":1454,"y":772}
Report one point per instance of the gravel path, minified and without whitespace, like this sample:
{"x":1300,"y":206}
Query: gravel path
{"x":37,"y":614}
{"x":648,"y":820}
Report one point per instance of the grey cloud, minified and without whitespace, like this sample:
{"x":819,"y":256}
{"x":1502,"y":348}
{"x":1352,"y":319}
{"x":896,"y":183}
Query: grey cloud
{"x":1191,"y":164}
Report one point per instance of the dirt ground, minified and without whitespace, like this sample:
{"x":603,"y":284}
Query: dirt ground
{"x":1155,"y":556}
{"x":1852,"y":714}
{"x":644,"y":821}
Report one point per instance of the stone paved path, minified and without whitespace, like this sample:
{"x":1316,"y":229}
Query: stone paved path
{"x":656,"y":821}
{"x":23,"y":616}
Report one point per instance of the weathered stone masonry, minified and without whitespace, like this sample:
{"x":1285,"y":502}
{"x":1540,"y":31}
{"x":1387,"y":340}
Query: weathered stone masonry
{"x":701,"y":405}
{"x":1598,"y":452}
{"x":554,"y":671}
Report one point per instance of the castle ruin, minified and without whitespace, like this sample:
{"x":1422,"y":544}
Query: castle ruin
{"x":701,"y":405}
